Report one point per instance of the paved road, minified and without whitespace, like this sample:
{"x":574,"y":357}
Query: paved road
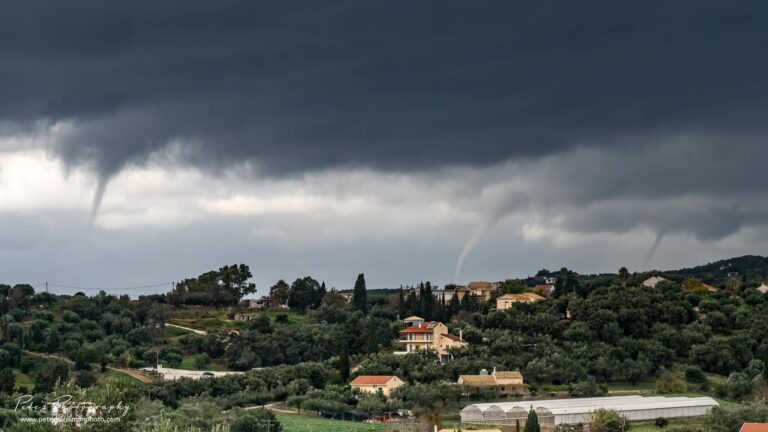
{"x":174,"y":374}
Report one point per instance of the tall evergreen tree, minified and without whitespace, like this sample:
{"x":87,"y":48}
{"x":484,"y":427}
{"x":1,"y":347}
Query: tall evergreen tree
{"x":413,"y":303}
{"x":455,"y":306}
{"x":360,"y":295}
{"x":422,"y":302}
{"x":344,"y":360}
{"x":429,"y":302}
{"x":532,"y":422}
{"x":401,"y":306}
{"x":321,"y":292}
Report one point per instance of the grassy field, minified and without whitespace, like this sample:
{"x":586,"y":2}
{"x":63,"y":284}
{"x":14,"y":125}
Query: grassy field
{"x":173,"y":332}
{"x":212,"y":320}
{"x":188,"y":363}
{"x":625,"y":387}
{"x":22,"y":379}
{"x":293,"y":317}
{"x":650,"y":427}
{"x":304,"y":423}
{"x":111,"y":374}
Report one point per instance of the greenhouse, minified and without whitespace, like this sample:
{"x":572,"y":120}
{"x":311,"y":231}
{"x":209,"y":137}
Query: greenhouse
{"x":575,"y":411}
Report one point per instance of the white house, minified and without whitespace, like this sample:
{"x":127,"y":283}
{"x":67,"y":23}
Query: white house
{"x":651,"y":282}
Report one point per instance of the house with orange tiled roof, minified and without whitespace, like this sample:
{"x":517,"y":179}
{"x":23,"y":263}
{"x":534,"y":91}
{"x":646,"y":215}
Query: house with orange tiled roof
{"x":483,"y":290}
{"x":507,"y":383}
{"x":507,"y":300}
{"x":546,"y":290}
{"x":754,"y":427}
{"x":432,"y":335}
{"x":374,"y":383}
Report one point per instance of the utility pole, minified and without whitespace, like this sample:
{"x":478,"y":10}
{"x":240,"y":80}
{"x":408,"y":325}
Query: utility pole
{"x":46,"y":286}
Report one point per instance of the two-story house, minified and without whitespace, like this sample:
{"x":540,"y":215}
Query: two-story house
{"x":483,"y":290}
{"x":419,"y":335}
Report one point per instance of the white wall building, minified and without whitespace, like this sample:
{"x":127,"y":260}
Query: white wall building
{"x":763,"y":288}
{"x":651,"y":282}
{"x":575,"y":411}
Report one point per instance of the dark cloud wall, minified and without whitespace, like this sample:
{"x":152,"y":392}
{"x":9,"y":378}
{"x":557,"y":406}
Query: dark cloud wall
{"x":296,"y":86}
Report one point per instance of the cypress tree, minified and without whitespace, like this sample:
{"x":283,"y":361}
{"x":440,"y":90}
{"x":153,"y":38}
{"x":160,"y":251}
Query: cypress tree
{"x":360,"y":295}
{"x":413,"y":303}
{"x":422,"y":302}
{"x":532,"y":422}
{"x":429,"y":302}
{"x":344,"y":360}
{"x":321,"y":292}
{"x":401,"y":303}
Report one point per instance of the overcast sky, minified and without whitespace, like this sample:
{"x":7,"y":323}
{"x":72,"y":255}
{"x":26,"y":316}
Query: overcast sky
{"x":146,"y":141}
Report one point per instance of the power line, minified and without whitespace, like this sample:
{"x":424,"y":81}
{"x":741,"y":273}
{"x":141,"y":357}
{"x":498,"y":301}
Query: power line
{"x":110,"y":288}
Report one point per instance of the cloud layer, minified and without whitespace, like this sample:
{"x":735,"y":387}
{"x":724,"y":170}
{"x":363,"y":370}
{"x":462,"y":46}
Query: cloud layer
{"x":534,"y":130}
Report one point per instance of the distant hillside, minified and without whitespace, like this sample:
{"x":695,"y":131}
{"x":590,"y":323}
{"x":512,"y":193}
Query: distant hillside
{"x":754,"y":267}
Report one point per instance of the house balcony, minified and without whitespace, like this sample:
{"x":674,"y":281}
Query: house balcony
{"x":406,"y":341}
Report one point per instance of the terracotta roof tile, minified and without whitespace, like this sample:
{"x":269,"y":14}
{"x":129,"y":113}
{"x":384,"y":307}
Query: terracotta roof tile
{"x":478,"y":380}
{"x":372,"y":380}
{"x":452,"y":337}
{"x":421,"y":328}
{"x":508,"y":375}
{"x":754,"y":427}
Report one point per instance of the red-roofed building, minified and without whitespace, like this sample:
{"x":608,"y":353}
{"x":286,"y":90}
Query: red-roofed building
{"x":547,"y":290}
{"x":754,"y":427}
{"x":374,"y":383}
{"x":430,"y":335}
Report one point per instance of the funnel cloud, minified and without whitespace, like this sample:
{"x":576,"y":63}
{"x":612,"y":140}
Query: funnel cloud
{"x":98,"y":197}
{"x":248,"y":123}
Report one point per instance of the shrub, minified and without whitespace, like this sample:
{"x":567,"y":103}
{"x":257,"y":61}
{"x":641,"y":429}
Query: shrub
{"x":590,"y":387}
{"x":694,"y":374}
{"x":201,"y":361}
{"x":669,"y":383}
{"x":259,"y":420}
{"x":605,"y":420}
{"x":661,"y":422}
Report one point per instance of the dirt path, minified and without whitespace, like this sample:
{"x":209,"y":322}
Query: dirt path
{"x":133,"y":373}
{"x":272,"y":407}
{"x":195,"y":331}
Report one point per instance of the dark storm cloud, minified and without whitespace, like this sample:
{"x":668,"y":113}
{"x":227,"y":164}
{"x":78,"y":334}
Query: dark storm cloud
{"x":295,"y":86}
